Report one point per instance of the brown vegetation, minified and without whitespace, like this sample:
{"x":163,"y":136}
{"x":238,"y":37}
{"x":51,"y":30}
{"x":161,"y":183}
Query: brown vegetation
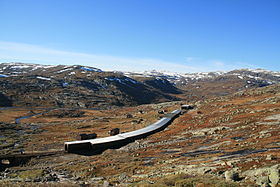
{"x":223,"y":141}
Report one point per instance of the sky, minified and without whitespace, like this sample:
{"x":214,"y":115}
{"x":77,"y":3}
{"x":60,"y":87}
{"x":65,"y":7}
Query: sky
{"x":138,"y":35}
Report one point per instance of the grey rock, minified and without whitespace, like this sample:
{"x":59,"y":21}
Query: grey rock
{"x":97,"y":178}
{"x":81,"y":104}
{"x":51,"y":177}
{"x":106,"y":184}
{"x":123,"y":177}
{"x":262,"y":181}
{"x":268,"y":157}
{"x":27,"y":180}
{"x":231,"y":175}
{"x":274,"y":176}
{"x":5,"y":162}
{"x":37,"y":179}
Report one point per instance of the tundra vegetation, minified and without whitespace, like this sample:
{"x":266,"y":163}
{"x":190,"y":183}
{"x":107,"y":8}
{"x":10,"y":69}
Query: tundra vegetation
{"x":228,"y":138}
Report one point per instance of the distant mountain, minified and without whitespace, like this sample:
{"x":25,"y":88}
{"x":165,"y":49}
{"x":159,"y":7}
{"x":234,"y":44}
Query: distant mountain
{"x":76,"y":86}
{"x":198,"y":86}
{"x":180,"y":79}
{"x":82,"y":86}
{"x":174,"y":77}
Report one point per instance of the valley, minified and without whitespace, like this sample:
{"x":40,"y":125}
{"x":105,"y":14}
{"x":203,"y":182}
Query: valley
{"x":230,"y":137}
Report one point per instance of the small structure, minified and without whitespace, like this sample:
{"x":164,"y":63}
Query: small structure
{"x":88,"y":136}
{"x":114,"y":131}
{"x":187,"y":107}
{"x":5,"y":162}
{"x":129,"y":116}
{"x":161,"y":112}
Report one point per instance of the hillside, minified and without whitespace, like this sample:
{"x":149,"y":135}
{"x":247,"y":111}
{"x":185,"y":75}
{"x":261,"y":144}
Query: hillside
{"x":197,"y":86}
{"x":224,"y":141}
{"x":76,"y":86}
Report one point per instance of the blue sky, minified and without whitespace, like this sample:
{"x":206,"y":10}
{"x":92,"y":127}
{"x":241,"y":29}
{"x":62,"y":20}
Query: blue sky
{"x":137,"y":35}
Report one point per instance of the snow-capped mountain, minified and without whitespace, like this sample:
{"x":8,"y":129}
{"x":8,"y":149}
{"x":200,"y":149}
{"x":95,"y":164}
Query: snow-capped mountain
{"x":14,"y":69}
{"x":180,"y":79}
{"x":172,"y":76}
{"x":23,"y":84}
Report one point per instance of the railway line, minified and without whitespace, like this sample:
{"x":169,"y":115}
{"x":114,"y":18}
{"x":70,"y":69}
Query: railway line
{"x":121,"y":139}
{"x":97,"y":144}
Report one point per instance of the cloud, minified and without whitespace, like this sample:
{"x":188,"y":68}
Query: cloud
{"x":11,"y":51}
{"x":219,"y":64}
{"x":216,"y":64}
{"x":21,"y":52}
{"x":191,"y":59}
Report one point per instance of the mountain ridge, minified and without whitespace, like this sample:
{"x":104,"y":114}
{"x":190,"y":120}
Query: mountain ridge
{"x":74,"y":86}
{"x":26,"y":84}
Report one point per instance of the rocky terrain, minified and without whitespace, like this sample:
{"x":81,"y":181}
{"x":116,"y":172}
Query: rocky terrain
{"x":36,"y":85}
{"x":228,"y":140}
{"x":196,"y":86}
{"x":78,"y":86}
{"x":254,"y":76}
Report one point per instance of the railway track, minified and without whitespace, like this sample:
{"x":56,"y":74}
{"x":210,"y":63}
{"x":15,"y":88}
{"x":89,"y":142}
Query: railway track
{"x":97,"y":145}
{"x":121,"y":139}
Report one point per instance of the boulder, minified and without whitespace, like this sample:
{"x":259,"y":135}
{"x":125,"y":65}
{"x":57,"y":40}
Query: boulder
{"x":106,"y":184}
{"x":274,"y":176}
{"x":269,"y":157}
{"x":262,"y":181}
{"x":231,"y":175}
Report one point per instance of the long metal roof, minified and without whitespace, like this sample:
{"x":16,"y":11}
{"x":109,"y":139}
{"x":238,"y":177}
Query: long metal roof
{"x":153,"y":127}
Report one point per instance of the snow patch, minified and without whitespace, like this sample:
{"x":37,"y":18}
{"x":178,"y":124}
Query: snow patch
{"x":131,"y":80}
{"x":114,"y":79}
{"x":65,"y":84}
{"x":25,"y":66}
{"x":43,"y":78}
{"x":67,"y":69}
{"x":72,"y":73}
{"x":252,"y":77}
{"x":20,"y":67}
{"x":90,"y":69}
{"x":123,"y":81}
